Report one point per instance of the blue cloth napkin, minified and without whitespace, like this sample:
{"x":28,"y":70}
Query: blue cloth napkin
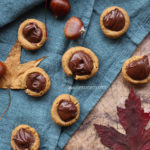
{"x":111,"y":53}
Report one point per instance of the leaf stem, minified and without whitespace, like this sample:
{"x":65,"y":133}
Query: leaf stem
{"x":7,"y":105}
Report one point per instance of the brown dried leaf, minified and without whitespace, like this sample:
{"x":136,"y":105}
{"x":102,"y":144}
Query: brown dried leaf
{"x":13,"y":77}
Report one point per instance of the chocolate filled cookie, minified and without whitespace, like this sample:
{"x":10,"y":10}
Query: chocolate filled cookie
{"x":114,"y":21}
{"x":24,"y":137}
{"x":80,"y":62}
{"x":32,"y":34}
{"x":65,"y":110}
{"x":37,"y":82}
{"x":136,"y":69}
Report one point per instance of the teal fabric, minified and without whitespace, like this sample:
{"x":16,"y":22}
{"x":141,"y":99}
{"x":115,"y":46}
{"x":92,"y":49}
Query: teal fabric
{"x":111,"y":53}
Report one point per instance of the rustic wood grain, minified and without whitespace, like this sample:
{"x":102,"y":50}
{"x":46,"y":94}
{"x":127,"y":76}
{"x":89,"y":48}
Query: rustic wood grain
{"x":104,"y":112}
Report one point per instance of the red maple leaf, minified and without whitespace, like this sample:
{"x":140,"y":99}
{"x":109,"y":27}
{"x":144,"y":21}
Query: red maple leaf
{"x":134,"y":120}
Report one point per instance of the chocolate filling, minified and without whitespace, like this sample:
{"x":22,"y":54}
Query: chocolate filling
{"x":24,"y":139}
{"x":114,"y":20}
{"x":36,"y":82}
{"x":67,"y":110}
{"x":139,"y":69}
{"x":80,"y":63}
{"x":32,"y":32}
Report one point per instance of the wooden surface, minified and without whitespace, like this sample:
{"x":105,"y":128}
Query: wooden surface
{"x":105,"y":113}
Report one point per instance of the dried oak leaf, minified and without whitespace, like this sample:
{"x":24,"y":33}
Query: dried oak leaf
{"x":13,"y":78}
{"x":134,"y":120}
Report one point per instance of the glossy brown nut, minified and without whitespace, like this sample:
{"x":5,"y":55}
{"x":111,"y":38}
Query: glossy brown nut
{"x":2,"y":69}
{"x":59,"y":7}
{"x":74,"y":28}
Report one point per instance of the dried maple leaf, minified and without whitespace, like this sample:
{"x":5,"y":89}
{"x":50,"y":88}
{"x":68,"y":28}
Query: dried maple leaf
{"x":134,"y":120}
{"x":13,"y":78}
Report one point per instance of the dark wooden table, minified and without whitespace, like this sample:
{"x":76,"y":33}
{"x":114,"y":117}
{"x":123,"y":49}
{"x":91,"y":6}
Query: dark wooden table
{"x":85,"y":138}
